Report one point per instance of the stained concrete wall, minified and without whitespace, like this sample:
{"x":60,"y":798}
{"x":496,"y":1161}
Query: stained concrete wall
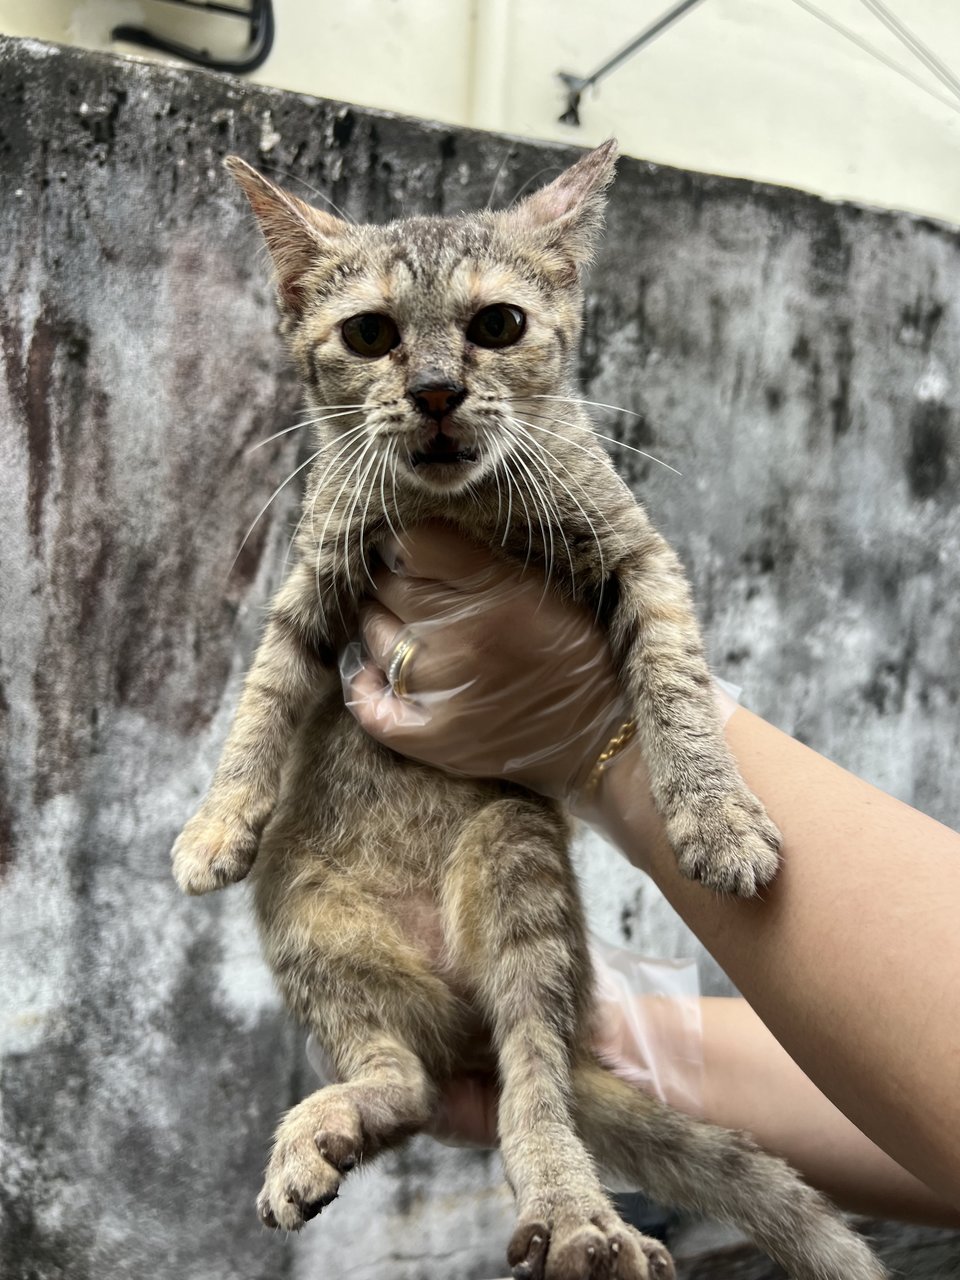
{"x":794,"y":359}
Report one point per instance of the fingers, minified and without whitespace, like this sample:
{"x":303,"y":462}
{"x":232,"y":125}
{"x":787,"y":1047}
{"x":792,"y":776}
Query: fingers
{"x":380,"y":630}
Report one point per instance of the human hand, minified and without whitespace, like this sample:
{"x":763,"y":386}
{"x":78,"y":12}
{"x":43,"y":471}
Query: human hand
{"x":501,"y":678}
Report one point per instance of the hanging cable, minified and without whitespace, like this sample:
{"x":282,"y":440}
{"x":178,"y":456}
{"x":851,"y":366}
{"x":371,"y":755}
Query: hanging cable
{"x":876,"y":53}
{"x":914,"y":44}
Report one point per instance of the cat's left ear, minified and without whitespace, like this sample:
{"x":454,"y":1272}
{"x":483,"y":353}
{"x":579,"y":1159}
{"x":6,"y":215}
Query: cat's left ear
{"x":297,"y":235}
{"x":568,"y":212}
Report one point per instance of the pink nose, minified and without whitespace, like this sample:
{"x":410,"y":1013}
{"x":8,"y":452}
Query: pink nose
{"x":436,"y":399}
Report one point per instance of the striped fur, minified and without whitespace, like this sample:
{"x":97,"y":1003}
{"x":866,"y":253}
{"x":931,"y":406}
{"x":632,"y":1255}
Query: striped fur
{"x":421,"y":924}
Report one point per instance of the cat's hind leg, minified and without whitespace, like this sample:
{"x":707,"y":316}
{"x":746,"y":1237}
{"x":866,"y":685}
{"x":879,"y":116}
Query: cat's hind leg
{"x":385,"y":1020}
{"x":692,"y":1165}
{"x":513,"y":922}
{"x":387,"y":1097}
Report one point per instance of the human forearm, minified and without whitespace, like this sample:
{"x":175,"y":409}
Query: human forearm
{"x":850,"y":955}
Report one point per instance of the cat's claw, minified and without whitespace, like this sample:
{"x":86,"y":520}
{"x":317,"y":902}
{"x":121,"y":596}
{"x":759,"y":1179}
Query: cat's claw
{"x":211,"y":853}
{"x":604,"y":1248}
{"x":727,"y":843}
{"x":308,"y":1163}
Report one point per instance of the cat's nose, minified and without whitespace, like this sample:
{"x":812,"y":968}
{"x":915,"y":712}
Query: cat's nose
{"x":437,"y":399}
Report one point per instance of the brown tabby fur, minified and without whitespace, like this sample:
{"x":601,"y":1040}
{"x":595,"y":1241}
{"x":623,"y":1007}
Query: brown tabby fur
{"x":347,"y":842}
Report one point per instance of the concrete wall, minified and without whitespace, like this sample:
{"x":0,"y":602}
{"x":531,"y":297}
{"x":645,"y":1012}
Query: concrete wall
{"x":747,"y":87}
{"x":796,"y":361}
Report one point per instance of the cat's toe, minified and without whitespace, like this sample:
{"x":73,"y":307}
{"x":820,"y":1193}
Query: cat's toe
{"x":639,"y":1257}
{"x":727,"y":843}
{"x":317,"y":1144}
{"x":603,"y":1248}
{"x":527,"y":1251}
{"x":299,"y":1184}
{"x":211,"y":853}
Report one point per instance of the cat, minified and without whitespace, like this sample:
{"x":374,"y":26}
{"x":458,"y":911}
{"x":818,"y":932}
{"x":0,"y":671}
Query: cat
{"x":423,"y":336}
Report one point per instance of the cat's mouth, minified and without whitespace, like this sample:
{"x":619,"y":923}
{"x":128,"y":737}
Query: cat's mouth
{"x":443,"y":451}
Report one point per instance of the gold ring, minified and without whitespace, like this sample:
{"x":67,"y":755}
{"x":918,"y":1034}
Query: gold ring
{"x":399,"y":660}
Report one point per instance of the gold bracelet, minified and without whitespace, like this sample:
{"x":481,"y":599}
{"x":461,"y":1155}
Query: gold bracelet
{"x":621,"y":739}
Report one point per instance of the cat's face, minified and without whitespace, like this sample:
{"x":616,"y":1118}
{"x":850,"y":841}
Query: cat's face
{"x":430,"y":335}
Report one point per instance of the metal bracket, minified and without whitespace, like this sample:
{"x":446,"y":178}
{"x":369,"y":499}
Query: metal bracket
{"x":575,"y":85}
{"x":262,"y":28}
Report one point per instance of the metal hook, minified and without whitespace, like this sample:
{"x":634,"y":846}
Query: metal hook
{"x":262,"y":28}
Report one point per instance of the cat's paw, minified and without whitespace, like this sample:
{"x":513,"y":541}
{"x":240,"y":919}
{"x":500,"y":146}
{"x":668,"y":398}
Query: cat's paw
{"x":601,"y":1248}
{"x":212,"y":852}
{"x":726,"y":842}
{"x":315,"y":1147}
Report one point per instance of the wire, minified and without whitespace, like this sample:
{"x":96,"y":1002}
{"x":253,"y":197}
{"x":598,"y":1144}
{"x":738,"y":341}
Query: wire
{"x":876,"y":53}
{"x":914,"y":44}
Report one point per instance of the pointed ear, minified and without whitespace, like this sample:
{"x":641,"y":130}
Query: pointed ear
{"x":296,"y":233}
{"x":571,"y":207}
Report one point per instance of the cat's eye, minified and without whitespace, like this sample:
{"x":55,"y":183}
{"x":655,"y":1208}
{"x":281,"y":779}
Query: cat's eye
{"x":370,"y":334}
{"x":497,"y":326}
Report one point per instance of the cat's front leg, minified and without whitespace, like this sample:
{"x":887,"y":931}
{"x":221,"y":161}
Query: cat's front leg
{"x":290,"y":672}
{"x":718,"y":829}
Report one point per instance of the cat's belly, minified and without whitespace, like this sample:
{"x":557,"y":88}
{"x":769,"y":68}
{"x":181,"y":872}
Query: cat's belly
{"x":362,"y":827}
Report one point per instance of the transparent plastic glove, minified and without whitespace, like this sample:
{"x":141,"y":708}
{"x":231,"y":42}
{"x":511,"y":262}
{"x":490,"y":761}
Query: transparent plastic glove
{"x":646,"y":1029}
{"x":502,"y":678}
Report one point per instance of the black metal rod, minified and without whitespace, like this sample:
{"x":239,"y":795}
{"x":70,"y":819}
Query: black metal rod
{"x":576,"y":84}
{"x":212,"y":7}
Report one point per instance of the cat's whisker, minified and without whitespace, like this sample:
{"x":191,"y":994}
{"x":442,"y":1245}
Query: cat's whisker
{"x":352,"y":463}
{"x":351,"y":508}
{"x":393,"y":481}
{"x":366,"y":493}
{"x":496,"y":181}
{"x":554,"y":461}
{"x":314,"y":191}
{"x":347,"y":441}
{"x":299,"y":426}
{"x":622,"y":444}
{"x":539,"y":501}
{"x":526,"y":512}
{"x":391,"y":445}
{"x":573,"y":498}
{"x":550,"y":507}
{"x":548,"y":476}
{"x":509,"y":519}
{"x":279,"y":489}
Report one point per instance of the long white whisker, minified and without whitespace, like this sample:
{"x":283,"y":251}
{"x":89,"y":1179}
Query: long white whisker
{"x":353,"y":464}
{"x":391,"y":445}
{"x":558,"y":462}
{"x":393,"y":482}
{"x":573,"y":498}
{"x":351,"y":508}
{"x":299,"y":426}
{"x":622,"y":444}
{"x":361,"y":489}
{"x":509,"y":520}
{"x":546,"y":530}
{"x":547,"y":475}
{"x":346,"y":442}
{"x":273,"y":495}
{"x":596,"y":404}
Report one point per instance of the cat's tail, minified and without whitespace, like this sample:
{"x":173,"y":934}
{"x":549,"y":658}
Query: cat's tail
{"x":692,"y":1165}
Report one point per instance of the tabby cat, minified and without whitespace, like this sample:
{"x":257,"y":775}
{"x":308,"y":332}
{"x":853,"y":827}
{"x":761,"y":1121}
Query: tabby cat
{"x":424,"y":336}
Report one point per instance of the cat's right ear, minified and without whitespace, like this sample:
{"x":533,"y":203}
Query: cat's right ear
{"x":297,"y":235}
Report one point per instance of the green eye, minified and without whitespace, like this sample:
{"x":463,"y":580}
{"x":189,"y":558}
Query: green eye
{"x":370,"y":334}
{"x":497,"y":326}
